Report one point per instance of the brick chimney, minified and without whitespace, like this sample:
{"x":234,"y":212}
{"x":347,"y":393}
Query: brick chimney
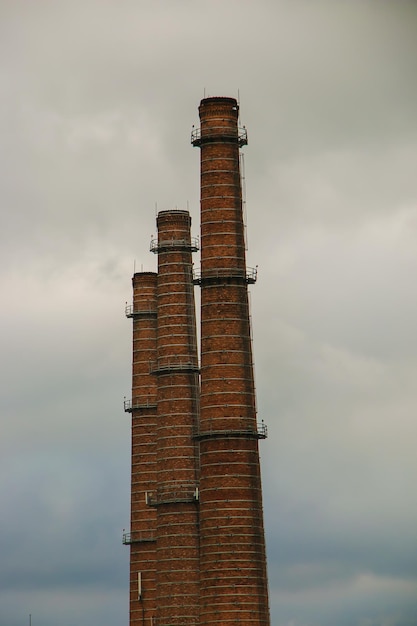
{"x":176,"y":369}
{"x":142,"y":406}
{"x":233,"y":579}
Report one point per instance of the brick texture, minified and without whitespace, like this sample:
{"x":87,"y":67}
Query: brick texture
{"x":144,"y":469}
{"x":177,"y":451}
{"x":233,"y":577}
{"x":197,"y":536}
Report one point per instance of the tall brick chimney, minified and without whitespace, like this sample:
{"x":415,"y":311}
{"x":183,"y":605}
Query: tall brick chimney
{"x":233,"y":580}
{"x":143,"y":406}
{"x":176,"y":369}
{"x":196,"y":536}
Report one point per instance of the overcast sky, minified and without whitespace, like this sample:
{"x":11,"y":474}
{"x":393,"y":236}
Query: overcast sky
{"x":97,"y":102}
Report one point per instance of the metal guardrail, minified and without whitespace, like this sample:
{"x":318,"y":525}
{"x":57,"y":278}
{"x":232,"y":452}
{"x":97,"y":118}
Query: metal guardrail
{"x":192,"y":244}
{"x":138,"y":403}
{"x":131,"y":311}
{"x":173,"y":365}
{"x":219,"y":132}
{"x":138,"y":537}
{"x":250,"y":275}
{"x":187,"y":492}
{"x":260,"y":432}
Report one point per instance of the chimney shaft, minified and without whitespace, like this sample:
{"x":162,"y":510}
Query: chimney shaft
{"x":178,"y":390}
{"x":142,"y":536}
{"x":232,"y":557}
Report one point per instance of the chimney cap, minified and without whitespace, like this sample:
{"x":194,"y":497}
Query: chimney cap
{"x":218,"y":100}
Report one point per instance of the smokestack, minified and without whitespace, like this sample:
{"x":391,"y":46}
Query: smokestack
{"x":197,"y":538}
{"x":142,"y":406}
{"x":176,"y":369}
{"x":233,"y":579}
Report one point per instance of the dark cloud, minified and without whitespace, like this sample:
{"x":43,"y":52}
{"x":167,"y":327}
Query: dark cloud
{"x":45,"y":545}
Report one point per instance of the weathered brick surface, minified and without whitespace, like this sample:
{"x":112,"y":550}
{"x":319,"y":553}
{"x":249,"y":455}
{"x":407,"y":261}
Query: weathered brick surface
{"x":143,"y":475}
{"x":233,"y":585}
{"x":177,"y":452}
{"x":207,"y":565}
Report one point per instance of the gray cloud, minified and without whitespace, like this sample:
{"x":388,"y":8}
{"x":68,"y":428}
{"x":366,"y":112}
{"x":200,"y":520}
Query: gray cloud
{"x":97,"y":102}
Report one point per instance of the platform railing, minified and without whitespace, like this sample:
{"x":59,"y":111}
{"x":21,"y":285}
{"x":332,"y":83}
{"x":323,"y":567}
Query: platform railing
{"x":141,"y":536}
{"x":192,"y":244}
{"x":214,"y":132}
{"x":218,"y":428}
{"x":250,"y":275}
{"x":174,"y":364}
{"x":138,"y":403}
{"x":132,"y":310}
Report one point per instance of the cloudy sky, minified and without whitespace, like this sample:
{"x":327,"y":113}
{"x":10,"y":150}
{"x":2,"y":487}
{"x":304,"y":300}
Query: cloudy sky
{"x":97,"y":102}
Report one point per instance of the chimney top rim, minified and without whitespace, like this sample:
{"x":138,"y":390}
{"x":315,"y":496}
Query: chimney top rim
{"x":218,"y":99}
{"x":173,"y":213}
{"x":137,"y":274}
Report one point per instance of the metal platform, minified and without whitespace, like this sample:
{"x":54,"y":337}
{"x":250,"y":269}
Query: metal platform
{"x":221,"y":134}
